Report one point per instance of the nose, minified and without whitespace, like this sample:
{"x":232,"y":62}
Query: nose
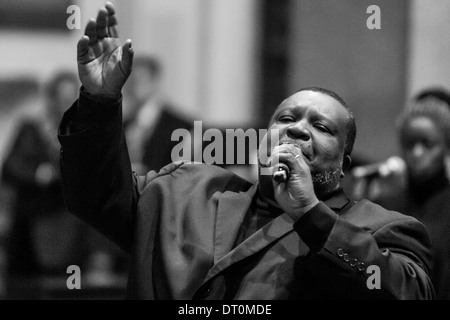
{"x":299,"y":130}
{"x":418,"y":150}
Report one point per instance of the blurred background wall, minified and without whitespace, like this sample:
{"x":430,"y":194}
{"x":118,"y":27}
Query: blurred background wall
{"x":332,"y":47}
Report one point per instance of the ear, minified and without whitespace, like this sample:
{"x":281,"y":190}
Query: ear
{"x":347,"y":161}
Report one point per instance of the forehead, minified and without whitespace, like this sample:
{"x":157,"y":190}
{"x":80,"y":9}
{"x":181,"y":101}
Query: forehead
{"x":315,"y":103}
{"x":421,"y":125}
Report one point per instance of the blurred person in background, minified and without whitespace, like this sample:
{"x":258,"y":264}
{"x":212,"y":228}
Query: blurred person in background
{"x":149,"y":119}
{"x":42,"y":234}
{"x":376,"y":180}
{"x":43,"y":238}
{"x":417,"y":183}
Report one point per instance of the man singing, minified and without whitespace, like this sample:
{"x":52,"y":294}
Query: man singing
{"x":200,"y":232}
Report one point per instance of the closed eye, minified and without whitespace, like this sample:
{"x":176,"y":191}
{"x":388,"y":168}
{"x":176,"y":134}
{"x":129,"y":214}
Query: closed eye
{"x":285,"y":118}
{"x":322,"y":128}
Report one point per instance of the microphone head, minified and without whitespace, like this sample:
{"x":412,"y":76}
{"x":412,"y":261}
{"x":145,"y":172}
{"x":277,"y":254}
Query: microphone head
{"x":283,"y":173}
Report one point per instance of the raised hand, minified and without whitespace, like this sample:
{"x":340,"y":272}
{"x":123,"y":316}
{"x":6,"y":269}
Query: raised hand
{"x":103,"y":63}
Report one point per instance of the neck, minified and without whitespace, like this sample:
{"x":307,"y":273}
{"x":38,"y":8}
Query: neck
{"x":324,"y":192}
{"x":265,"y":188}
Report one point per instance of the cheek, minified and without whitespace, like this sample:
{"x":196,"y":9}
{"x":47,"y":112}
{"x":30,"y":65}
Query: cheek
{"x":328,"y":151}
{"x":431,"y":158}
{"x":435,"y":157}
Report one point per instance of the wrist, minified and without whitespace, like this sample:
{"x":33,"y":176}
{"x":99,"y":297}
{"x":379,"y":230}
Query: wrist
{"x":311,"y":205}
{"x":297,"y":213}
{"x":99,"y":96}
{"x":316,"y":225}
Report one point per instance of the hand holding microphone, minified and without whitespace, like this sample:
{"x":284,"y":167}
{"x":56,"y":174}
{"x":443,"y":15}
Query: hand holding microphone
{"x":292,"y":181}
{"x":284,"y":172}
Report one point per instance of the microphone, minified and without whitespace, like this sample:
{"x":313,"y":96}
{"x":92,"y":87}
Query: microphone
{"x":367,"y":171}
{"x":393,"y":165}
{"x":283,"y":173}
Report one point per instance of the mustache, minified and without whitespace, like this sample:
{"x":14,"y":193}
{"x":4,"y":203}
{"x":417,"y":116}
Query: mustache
{"x":306,"y":149}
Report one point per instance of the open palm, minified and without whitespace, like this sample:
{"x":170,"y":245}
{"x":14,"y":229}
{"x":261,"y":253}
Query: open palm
{"x":103,"y":63}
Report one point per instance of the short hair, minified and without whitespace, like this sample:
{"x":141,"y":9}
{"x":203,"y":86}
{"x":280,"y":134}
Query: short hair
{"x":149,"y":63}
{"x":432,"y":108}
{"x":351,"y":123}
{"x":434,"y":92}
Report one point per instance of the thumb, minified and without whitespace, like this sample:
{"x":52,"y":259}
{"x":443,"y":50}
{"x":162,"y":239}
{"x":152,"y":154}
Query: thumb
{"x":83,"y":54}
{"x":127,"y":57}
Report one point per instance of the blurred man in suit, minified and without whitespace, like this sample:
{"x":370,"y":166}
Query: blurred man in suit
{"x":149,"y":119}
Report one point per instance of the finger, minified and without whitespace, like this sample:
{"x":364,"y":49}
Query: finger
{"x":110,"y":7}
{"x":294,"y":150}
{"x":102,"y":23}
{"x":279,"y":187}
{"x":274,"y":160}
{"x":280,"y":172}
{"x":279,"y":161}
{"x":127,"y":57}
{"x":298,"y":169}
{"x":91,"y":31}
{"x":283,"y":149}
{"x":288,"y":147}
{"x":112,"y":20}
{"x":84,"y":55}
{"x":295,"y":162}
{"x":278,"y":168}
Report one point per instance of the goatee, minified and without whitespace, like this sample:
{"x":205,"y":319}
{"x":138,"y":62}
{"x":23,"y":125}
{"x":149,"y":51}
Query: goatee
{"x":326,"y":181}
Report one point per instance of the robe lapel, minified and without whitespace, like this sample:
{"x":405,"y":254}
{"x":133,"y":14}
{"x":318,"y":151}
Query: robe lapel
{"x":232,"y":208}
{"x":271,"y":232}
{"x":231,"y":211}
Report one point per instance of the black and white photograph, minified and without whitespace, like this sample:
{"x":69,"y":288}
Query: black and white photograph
{"x":225,"y":154}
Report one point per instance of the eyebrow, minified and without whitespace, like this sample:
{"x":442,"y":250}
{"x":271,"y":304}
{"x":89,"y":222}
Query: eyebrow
{"x":315,"y":114}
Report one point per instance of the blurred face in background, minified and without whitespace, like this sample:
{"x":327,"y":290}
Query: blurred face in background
{"x":141,"y":86}
{"x":62,"y":97}
{"x":424,"y":148}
